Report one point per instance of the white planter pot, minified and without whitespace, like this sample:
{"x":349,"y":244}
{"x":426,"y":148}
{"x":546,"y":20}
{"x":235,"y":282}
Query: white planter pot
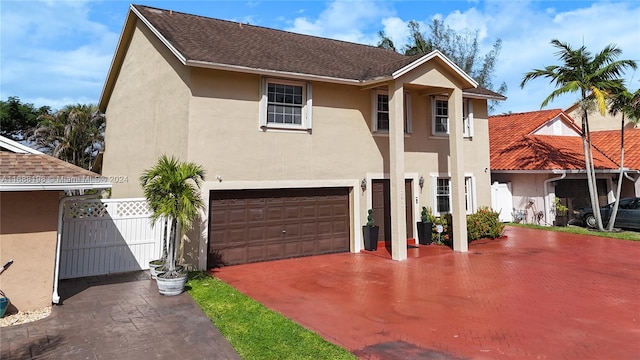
{"x":171,"y":287}
{"x":153,"y":270}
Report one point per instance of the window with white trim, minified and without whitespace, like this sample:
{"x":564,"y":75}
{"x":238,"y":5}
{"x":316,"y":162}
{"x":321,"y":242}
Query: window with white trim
{"x":440,"y":117}
{"x":442,"y":195}
{"x":285,"y":104}
{"x":380,"y":111}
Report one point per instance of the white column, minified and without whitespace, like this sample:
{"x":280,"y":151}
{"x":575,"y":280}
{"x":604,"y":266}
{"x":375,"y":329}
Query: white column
{"x":396,"y":172}
{"x":458,"y":210}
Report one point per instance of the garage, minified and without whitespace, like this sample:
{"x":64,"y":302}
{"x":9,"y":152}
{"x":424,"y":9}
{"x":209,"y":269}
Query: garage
{"x":269,"y":224}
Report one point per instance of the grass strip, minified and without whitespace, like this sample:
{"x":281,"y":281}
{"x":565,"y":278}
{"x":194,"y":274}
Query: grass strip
{"x":255,"y":331}
{"x":625,"y":235}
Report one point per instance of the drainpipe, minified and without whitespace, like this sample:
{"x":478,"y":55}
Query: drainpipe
{"x":547,"y":206}
{"x":55,"y":297}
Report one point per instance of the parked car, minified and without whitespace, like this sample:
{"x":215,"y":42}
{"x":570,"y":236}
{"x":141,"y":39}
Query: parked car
{"x":628,"y":214}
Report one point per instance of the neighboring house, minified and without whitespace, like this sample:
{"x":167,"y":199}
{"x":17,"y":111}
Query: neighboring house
{"x":299,"y":135}
{"x":538,"y":156}
{"x":31,"y":187}
{"x":597,"y":121}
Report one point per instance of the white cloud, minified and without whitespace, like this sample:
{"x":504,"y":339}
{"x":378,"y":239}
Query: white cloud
{"x":344,"y":20}
{"x":52,"y":48}
{"x":396,"y":29}
{"x":526,"y":45}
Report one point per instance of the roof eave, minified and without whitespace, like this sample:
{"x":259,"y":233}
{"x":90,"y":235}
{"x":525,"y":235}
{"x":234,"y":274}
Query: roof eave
{"x":470,"y":95}
{"x":54,"y":186}
{"x":268,"y":72}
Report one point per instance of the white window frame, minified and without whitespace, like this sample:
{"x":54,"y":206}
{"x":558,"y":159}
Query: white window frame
{"x":467,"y":117}
{"x":469,"y":193}
{"x":306,"y":107}
{"x":408,"y":126}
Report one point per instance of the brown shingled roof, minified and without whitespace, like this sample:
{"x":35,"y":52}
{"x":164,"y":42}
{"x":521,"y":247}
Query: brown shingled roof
{"x":214,"y":41}
{"x":19,"y":168}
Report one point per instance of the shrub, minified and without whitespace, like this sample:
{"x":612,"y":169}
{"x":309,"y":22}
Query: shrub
{"x":427,"y":215}
{"x":484,"y":223}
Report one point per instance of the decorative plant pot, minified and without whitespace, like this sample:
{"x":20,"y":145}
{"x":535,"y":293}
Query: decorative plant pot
{"x":171,"y":286}
{"x":4,"y":303}
{"x":424,"y":232}
{"x":370,"y":234}
{"x":154,"y":265}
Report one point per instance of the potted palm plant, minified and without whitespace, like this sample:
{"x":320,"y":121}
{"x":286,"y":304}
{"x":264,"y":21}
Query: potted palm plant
{"x":425,"y":226}
{"x":370,"y":233}
{"x":172,"y":190}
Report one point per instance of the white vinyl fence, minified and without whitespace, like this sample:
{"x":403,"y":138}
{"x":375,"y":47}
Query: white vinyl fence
{"x":107,"y":236}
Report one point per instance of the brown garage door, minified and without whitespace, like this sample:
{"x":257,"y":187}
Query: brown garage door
{"x":258,"y":225}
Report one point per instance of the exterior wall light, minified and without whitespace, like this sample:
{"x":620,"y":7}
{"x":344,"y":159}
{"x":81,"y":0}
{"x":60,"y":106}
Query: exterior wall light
{"x":363,"y":184}
{"x":421,"y":182}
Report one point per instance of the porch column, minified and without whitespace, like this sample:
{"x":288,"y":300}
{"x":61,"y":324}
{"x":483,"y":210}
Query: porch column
{"x":396,"y":171}
{"x":456,"y":143}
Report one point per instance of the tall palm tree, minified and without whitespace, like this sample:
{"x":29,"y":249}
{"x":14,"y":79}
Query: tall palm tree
{"x":172,"y":190}
{"x":596,"y":78}
{"x":74,"y":134}
{"x":627,"y":104}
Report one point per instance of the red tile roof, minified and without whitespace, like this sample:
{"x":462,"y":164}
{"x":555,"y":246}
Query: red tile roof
{"x":513,"y":147}
{"x":608,"y":141}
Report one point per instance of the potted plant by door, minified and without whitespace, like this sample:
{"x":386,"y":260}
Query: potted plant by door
{"x":425,"y":226}
{"x":370,"y":233}
{"x":172,"y":190}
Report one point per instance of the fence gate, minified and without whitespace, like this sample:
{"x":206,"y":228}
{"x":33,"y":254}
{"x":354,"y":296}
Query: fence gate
{"x":107,"y":236}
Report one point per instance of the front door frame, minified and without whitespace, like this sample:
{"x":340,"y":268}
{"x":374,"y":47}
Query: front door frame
{"x":415,"y":194}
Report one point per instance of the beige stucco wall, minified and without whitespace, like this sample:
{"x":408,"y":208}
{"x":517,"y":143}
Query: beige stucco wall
{"x":28,"y":234}
{"x":598,"y":121}
{"x":147,"y":113}
{"x":212,"y":118}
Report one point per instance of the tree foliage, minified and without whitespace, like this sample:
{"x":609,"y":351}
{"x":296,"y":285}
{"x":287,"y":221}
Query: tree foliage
{"x":172,"y":190}
{"x":460,"y":47}
{"x":17,"y":119}
{"x":74,"y":134}
{"x":597,"y":78}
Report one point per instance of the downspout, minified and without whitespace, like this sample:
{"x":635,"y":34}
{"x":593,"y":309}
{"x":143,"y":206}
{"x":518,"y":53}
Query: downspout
{"x":56,"y":297}
{"x":546,"y":195}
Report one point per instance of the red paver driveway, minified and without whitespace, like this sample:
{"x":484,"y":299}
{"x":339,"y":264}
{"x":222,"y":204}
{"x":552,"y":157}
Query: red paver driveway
{"x":533,"y":295}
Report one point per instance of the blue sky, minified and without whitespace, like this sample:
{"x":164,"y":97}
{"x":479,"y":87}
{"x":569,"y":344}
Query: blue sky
{"x":58,"y":52}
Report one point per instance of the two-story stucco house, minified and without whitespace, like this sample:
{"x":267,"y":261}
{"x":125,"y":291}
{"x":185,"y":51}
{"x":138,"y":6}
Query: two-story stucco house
{"x":299,"y":135}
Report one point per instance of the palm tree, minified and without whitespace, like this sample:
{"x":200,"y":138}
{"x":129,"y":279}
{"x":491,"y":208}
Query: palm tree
{"x":596,"y":78}
{"x":627,"y":104}
{"x":74,"y":134}
{"x":172,"y":190}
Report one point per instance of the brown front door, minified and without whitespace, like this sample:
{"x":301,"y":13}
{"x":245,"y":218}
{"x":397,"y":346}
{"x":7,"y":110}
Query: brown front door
{"x":381,"y":204}
{"x":258,"y":225}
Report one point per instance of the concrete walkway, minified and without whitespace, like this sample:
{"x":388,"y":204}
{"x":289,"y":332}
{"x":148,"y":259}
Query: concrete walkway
{"x":533,"y":295}
{"x":117,"y":317}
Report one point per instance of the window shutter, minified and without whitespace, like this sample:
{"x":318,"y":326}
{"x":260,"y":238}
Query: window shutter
{"x":309,"y":109}
{"x":470,"y":115}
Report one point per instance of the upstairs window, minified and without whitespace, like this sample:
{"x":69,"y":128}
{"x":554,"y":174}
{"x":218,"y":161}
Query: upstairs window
{"x":286,"y":105}
{"x":440,"y":116}
{"x":381,"y":112}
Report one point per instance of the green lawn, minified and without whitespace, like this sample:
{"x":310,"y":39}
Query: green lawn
{"x":255,"y":331}
{"x":625,"y":235}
